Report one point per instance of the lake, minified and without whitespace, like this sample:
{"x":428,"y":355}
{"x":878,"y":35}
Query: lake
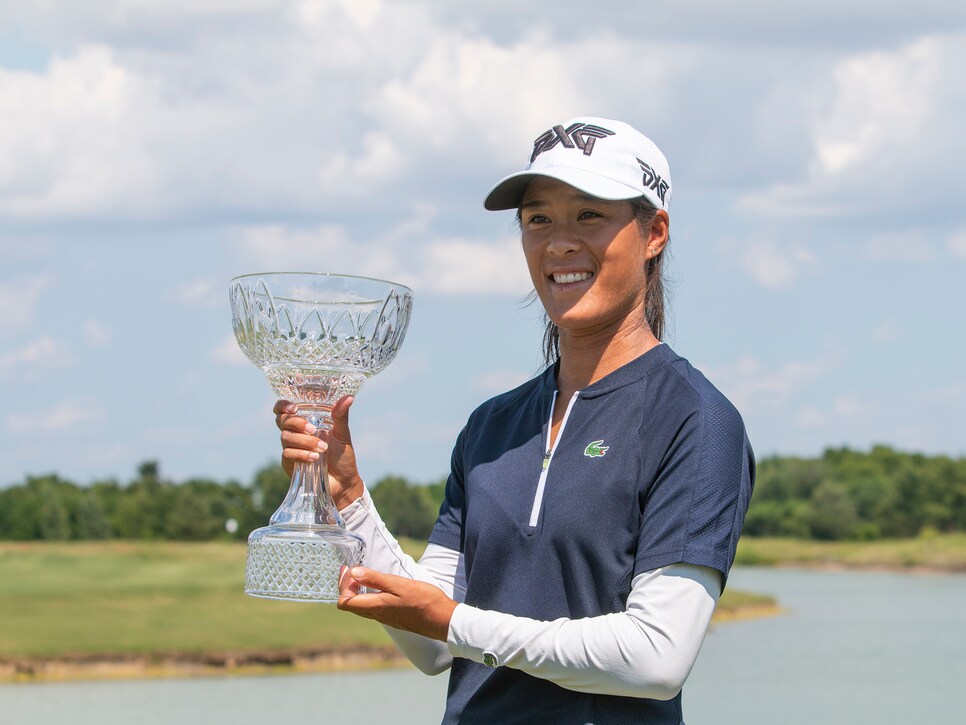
{"x":852,"y":647}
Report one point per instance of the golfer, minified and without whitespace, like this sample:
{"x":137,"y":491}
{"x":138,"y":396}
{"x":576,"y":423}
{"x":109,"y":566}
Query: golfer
{"x":591,"y":515}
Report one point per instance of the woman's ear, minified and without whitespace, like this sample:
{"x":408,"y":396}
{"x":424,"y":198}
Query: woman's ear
{"x":657,"y":237}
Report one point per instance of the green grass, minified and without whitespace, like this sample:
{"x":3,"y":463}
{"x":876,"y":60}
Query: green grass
{"x":146,"y":598}
{"x":143,"y":598}
{"x":945,"y":552}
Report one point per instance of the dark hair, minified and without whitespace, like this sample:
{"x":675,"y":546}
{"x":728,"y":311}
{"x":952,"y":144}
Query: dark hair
{"x":654,"y":297}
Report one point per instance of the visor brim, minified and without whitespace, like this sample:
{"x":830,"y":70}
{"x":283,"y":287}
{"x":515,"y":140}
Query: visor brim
{"x":508,"y":192}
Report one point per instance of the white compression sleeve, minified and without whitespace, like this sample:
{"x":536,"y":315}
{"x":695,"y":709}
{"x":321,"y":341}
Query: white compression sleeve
{"x":645,"y":651}
{"x":438,"y":565}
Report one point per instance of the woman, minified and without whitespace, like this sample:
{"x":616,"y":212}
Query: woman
{"x":591,"y":515}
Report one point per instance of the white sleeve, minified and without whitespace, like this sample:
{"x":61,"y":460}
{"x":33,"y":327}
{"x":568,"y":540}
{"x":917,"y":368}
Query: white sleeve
{"x":645,"y":651}
{"x":438,"y":565}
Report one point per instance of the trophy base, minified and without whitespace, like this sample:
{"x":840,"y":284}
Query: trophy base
{"x":300,"y":563}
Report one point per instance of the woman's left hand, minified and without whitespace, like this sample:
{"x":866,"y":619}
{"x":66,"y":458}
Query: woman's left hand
{"x":401,"y":603}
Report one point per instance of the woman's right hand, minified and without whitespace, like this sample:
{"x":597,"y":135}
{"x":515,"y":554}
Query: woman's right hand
{"x":300,"y":443}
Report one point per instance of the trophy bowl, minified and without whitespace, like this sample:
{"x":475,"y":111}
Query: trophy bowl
{"x":317,"y":337}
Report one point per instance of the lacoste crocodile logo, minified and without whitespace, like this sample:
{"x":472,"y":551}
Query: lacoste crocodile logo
{"x":596,"y":449}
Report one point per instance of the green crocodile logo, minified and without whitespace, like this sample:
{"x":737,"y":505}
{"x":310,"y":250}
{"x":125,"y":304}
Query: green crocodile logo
{"x":596,"y":449}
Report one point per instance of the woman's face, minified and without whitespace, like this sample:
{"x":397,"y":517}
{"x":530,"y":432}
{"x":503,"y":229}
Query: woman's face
{"x":586,"y":257}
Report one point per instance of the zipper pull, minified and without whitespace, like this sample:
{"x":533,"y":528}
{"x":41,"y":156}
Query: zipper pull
{"x":546,"y":461}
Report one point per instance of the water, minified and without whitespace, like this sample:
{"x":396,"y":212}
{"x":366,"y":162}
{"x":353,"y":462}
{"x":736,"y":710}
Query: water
{"x":888,"y":649}
{"x":854,"y":647}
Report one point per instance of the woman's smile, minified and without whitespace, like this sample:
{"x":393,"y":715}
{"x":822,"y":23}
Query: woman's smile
{"x":569,"y":278}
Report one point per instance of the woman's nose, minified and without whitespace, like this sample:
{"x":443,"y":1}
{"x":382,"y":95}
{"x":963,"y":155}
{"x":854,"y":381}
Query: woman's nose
{"x":563,"y":241}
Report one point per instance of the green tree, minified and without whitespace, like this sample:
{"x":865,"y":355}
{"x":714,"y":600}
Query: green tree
{"x":269,"y":487}
{"x":143,"y":507}
{"x":54,"y":521}
{"x":406,"y":509}
{"x":832,"y":512}
{"x":90,"y":520}
{"x":197,"y":513}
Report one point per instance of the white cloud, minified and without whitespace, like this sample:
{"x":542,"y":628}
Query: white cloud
{"x":810,"y":417}
{"x":957,"y":243}
{"x":886,"y":331}
{"x":78,"y":149}
{"x":461,"y":95}
{"x":751,"y":386}
{"x":903,"y":247}
{"x":380,"y":160}
{"x":847,"y":406}
{"x":228,"y":352}
{"x":325,"y":248}
{"x":32,"y":359}
{"x":295,"y":108}
{"x":883,"y":133}
{"x":276,"y":247}
{"x":842,"y":408}
{"x":473,"y":101}
{"x":96,"y":333}
{"x":464,"y":267}
{"x":403,"y":254}
{"x":200,"y":293}
{"x":18,"y":301}
{"x":61,"y":418}
{"x":497,"y":381}
{"x":771,"y":264}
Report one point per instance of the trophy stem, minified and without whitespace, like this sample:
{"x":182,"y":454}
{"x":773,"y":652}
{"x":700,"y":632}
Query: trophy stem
{"x":309,"y":501}
{"x":300,"y":554}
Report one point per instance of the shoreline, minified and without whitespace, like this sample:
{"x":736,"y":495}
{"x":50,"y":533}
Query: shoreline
{"x":858,"y":567}
{"x":350,"y":658}
{"x":345,"y":658}
{"x":94,"y":667}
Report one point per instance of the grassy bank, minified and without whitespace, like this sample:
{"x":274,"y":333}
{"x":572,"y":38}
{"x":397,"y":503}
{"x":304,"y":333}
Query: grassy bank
{"x":945,"y":552}
{"x":138,"y":598}
{"x":164,"y":602}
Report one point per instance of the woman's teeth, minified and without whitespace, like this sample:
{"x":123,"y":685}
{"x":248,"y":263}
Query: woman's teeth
{"x":568,"y":278}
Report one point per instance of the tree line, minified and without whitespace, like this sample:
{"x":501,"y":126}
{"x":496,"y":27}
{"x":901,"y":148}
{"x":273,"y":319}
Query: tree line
{"x":843,"y":494}
{"x":847,"y":494}
{"x":150,"y":507}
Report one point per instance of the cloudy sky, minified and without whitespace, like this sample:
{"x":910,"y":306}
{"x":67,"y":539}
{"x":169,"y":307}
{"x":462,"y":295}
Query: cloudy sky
{"x":150,"y":151}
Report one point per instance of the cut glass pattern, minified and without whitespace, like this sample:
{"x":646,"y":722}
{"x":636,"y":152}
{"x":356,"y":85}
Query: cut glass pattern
{"x":317,"y":337}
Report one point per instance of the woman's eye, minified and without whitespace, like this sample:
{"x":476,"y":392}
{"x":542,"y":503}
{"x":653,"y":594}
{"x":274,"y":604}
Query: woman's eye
{"x":588,"y":214}
{"x":538,"y":219}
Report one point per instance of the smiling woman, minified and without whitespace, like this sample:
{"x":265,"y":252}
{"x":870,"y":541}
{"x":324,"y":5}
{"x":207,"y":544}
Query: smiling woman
{"x":591,"y":515}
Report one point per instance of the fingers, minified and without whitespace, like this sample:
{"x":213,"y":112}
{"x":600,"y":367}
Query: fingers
{"x":348,"y":586}
{"x":286,"y":418}
{"x":294,"y":455}
{"x":299,"y":445}
{"x":399,"y":602}
{"x":388,"y":583}
{"x":291,"y":439}
{"x":340,"y":419}
{"x":284,"y":407}
{"x":351,"y":582}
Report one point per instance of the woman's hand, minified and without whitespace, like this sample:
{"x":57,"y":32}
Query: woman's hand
{"x":301,"y":442}
{"x":401,"y":603}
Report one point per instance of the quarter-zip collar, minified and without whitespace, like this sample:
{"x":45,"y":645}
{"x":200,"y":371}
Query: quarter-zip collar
{"x":549,"y":450}
{"x":633,"y":371}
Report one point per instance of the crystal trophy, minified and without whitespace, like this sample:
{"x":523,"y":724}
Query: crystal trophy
{"x":317,"y":337}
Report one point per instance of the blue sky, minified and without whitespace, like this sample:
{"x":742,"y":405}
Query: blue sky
{"x":151,"y":151}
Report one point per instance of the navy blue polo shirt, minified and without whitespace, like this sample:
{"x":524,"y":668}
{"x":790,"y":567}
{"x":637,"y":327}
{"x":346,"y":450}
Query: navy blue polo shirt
{"x":653,"y":467}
